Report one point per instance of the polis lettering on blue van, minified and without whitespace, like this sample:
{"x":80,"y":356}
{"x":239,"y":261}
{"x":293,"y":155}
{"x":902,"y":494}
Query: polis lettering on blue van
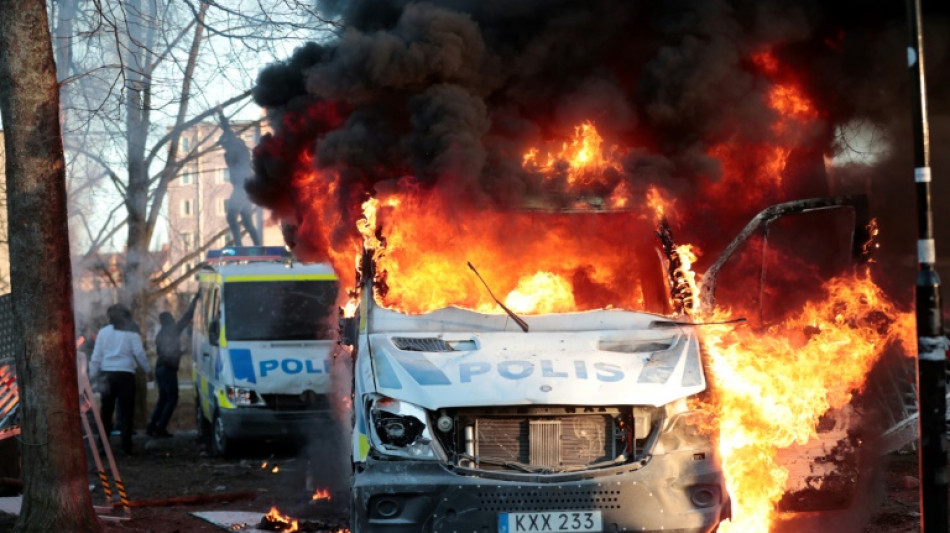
{"x":547,"y":370}
{"x":580,"y":369}
{"x":289,"y":366}
{"x":267,"y":366}
{"x":505,"y":369}
{"x":467,"y":370}
{"x":608,"y":373}
{"x":311,"y":369}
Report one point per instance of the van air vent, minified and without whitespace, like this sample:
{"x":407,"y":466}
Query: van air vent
{"x":422,"y":344}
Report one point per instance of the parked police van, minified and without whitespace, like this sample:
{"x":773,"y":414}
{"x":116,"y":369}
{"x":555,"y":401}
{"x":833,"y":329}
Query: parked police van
{"x":264,"y":331}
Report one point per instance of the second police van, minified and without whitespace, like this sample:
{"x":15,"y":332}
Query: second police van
{"x":265,"y":329}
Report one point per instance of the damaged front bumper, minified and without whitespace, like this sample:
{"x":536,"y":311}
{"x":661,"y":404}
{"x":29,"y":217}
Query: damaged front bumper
{"x":674,"y":492}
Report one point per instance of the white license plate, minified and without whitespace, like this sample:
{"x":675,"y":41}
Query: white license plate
{"x":550,"y":522}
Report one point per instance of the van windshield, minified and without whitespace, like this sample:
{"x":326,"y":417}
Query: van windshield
{"x":278,"y":310}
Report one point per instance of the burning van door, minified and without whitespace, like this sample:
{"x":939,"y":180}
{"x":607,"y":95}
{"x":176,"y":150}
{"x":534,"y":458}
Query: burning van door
{"x":830,"y":230}
{"x":791,"y":249}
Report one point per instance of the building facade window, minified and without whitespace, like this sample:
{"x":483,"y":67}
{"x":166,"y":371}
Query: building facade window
{"x":186,"y":208}
{"x":222,"y":206}
{"x":186,"y":241}
{"x":187,"y":177}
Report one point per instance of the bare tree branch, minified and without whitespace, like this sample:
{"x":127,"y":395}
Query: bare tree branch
{"x":156,"y":281}
{"x":191,"y":122}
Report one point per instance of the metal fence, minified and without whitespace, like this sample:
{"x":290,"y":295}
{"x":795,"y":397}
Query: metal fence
{"x":9,"y":397}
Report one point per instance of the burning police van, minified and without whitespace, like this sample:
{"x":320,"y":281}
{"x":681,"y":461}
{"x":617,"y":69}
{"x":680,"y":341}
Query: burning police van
{"x":581,"y":422}
{"x":264,"y":332}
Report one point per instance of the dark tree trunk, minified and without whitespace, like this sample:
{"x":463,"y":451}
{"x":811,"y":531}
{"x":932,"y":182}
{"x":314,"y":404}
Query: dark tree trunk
{"x":55,"y":482}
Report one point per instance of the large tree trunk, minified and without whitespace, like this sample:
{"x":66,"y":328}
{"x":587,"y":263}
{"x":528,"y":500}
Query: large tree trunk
{"x":56,"y":494}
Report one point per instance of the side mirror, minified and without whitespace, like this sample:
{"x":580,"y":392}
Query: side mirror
{"x":214,"y":331}
{"x":350,"y":330}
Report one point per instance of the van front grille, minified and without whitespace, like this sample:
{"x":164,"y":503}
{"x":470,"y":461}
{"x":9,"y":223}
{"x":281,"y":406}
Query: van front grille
{"x":546,"y":442}
{"x":307,"y":401}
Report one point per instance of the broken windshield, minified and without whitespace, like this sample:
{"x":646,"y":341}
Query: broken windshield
{"x":279,"y":310}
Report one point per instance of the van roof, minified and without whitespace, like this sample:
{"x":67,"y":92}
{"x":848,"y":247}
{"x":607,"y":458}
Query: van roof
{"x":270,"y":268}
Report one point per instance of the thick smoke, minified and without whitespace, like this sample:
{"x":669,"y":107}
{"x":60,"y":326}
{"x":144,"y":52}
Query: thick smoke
{"x":453,"y":92}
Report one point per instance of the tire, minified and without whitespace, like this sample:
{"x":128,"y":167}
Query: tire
{"x":221,"y":445}
{"x":201,"y":423}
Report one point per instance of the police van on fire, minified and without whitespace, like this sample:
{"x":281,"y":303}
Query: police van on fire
{"x":573,"y":422}
{"x":264,"y":331}
{"x":587,"y":421}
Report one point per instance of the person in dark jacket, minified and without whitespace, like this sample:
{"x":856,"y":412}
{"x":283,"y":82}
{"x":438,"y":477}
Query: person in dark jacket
{"x":169,"y":352}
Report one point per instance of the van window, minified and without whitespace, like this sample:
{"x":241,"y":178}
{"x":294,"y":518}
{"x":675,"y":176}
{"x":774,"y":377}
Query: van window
{"x":278,"y":310}
{"x":209,"y":307}
{"x":200,"y":319}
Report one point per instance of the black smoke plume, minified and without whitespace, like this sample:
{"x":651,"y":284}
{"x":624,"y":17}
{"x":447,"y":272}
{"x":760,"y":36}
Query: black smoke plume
{"x":451,"y":93}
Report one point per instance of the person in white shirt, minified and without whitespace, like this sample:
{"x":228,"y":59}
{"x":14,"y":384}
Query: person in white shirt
{"x":117,"y":352}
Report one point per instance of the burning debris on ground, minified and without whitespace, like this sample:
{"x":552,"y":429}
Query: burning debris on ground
{"x":274,"y":520}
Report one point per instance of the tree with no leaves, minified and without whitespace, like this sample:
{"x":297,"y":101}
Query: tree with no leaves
{"x":137,"y":75}
{"x":55,"y":488}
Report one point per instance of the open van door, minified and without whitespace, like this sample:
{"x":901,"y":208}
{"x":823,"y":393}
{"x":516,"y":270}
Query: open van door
{"x":791,"y":249}
{"x":819,"y":236}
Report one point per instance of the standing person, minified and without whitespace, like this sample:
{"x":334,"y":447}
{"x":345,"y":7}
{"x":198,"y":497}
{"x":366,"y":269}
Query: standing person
{"x":169,"y":352}
{"x":238,"y":208}
{"x":117,"y":351}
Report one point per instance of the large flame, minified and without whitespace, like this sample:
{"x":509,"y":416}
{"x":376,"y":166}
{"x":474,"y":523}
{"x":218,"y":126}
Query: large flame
{"x":772,"y":386}
{"x":520,"y":254}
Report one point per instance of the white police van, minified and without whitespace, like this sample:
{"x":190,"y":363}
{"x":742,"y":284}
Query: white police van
{"x":264,"y":331}
{"x":575,"y":422}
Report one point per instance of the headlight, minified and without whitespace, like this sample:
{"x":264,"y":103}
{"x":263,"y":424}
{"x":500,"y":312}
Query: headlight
{"x":400,"y":429}
{"x":243,"y":397}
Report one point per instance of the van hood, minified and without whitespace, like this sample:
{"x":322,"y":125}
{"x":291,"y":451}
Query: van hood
{"x":546,"y":367}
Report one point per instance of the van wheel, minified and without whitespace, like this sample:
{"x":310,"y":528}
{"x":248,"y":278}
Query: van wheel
{"x":220,"y":444}
{"x":201,"y":423}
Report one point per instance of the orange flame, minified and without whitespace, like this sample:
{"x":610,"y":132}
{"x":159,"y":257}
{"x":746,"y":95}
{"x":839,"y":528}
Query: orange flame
{"x":755,"y":172}
{"x":543,"y":292}
{"x":772,"y":386}
{"x":658,"y":203}
{"x":274,"y":515}
{"x":424,"y":260}
{"x":583,"y":160}
{"x":320,"y":494}
{"x":687,"y":255}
